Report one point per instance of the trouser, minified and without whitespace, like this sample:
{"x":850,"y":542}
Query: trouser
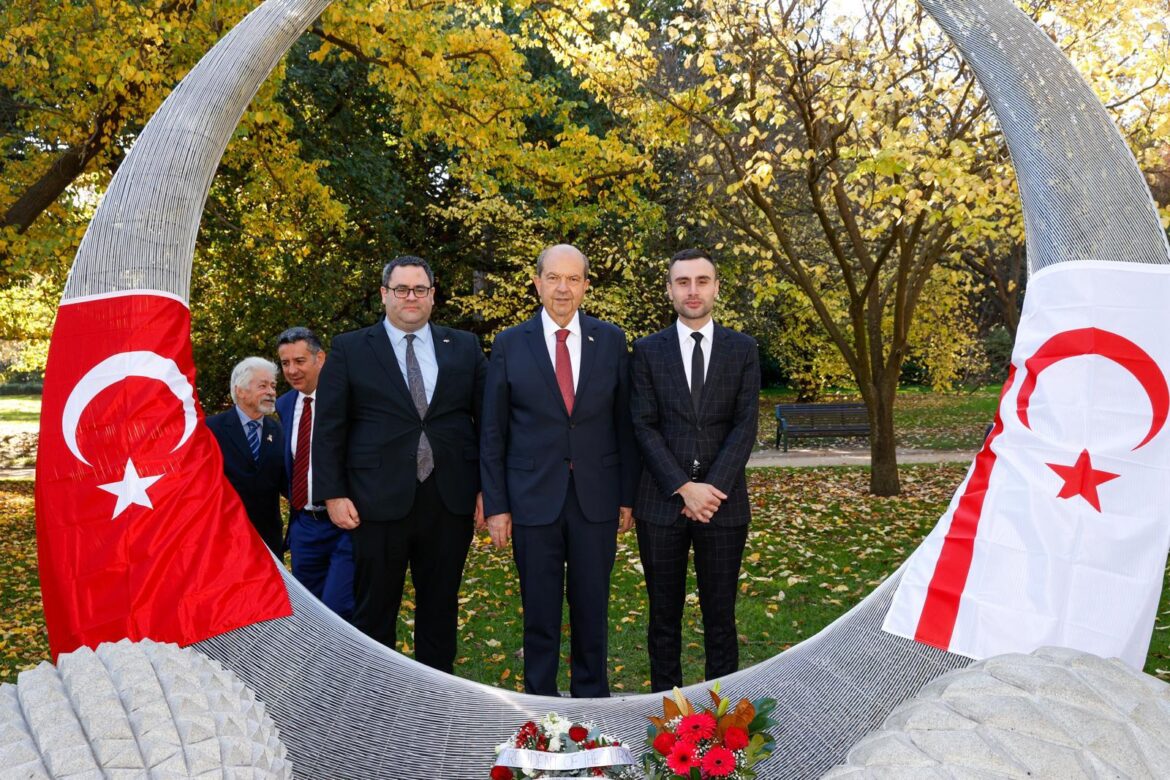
{"x":575,"y":551}
{"x":433,"y":543}
{"x":322,"y":559}
{"x":718,"y":554}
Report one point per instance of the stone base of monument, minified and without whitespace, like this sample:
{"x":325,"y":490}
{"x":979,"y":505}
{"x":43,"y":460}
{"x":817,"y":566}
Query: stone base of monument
{"x":132,"y":710}
{"x":1054,"y":713}
{"x":136,"y":709}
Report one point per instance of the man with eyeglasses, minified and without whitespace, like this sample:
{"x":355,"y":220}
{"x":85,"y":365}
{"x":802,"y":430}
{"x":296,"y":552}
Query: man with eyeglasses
{"x":560,"y":466}
{"x":396,"y":459}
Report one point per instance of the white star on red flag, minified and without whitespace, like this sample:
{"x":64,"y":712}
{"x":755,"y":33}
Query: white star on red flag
{"x":130,"y":490}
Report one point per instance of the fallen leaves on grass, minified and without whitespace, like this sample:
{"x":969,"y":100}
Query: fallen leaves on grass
{"x":23,"y":641}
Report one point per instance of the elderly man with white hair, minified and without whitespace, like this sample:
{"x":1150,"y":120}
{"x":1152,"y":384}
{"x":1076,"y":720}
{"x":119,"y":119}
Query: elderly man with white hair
{"x":253,"y":447}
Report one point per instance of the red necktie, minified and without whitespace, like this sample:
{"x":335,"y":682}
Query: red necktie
{"x":300,"y":480}
{"x":564,"y":370}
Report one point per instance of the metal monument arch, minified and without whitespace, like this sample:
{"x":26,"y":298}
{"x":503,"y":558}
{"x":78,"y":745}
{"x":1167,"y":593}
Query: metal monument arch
{"x":348,"y":707}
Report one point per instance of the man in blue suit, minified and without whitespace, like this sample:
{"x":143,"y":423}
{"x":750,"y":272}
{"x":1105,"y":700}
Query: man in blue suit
{"x":322,"y":553}
{"x":251,"y":442}
{"x":560,"y":467}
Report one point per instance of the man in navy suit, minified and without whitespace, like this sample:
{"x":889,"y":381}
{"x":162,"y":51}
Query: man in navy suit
{"x":695,"y":403}
{"x":253,"y":447}
{"x":560,"y":465}
{"x":395,"y":459}
{"x":322,"y":556}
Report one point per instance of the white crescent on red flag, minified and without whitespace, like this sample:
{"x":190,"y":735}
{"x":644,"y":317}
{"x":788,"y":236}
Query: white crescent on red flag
{"x":1059,"y":533}
{"x":139,"y":534}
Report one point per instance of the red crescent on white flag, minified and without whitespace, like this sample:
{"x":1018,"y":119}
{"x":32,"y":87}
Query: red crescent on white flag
{"x":1094,"y":341}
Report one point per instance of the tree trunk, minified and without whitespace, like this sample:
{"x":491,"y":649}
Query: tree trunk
{"x":46,"y":189}
{"x":883,"y":469}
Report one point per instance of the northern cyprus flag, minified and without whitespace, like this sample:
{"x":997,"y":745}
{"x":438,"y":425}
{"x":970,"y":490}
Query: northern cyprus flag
{"x":1059,"y":533}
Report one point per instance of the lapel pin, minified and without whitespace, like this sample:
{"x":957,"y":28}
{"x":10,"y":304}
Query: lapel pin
{"x":591,"y":338}
{"x":270,"y":438}
{"x":446,"y":341}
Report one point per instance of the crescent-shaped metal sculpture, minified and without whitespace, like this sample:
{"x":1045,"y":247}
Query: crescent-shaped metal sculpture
{"x":349,"y":707}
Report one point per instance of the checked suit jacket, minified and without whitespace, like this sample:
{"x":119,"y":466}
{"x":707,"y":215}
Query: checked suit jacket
{"x":671,"y":434}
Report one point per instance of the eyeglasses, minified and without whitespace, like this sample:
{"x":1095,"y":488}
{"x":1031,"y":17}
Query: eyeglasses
{"x":402,"y":291}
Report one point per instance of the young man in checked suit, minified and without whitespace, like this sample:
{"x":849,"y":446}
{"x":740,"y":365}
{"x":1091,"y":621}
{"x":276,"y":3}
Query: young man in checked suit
{"x":694,"y":401}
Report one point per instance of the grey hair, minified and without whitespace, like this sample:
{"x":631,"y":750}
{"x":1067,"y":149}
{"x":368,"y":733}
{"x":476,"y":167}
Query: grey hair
{"x":242,"y":373}
{"x":557,"y":247}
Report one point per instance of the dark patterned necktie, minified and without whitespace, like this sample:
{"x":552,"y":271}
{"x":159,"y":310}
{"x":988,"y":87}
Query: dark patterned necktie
{"x":300,"y":481}
{"x":418,"y":394}
{"x":254,"y":438}
{"x":565,"y":370}
{"x":697,"y":371}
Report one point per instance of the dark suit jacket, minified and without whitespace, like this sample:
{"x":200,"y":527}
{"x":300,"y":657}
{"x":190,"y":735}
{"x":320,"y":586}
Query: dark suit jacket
{"x":286,"y":405}
{"x":259,"y":484}
{"x":528,"y":439}
{"x":671,"y":435}
{"x":365,"y":438}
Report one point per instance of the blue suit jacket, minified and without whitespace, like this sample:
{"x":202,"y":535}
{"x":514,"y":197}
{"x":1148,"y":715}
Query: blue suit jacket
{"x":286,"y":405}
{"x":528,"y":440}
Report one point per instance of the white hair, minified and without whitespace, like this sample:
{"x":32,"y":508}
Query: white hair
{"x":242,"y":373}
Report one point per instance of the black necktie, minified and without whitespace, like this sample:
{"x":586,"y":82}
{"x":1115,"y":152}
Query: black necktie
{"x":697,"y":371}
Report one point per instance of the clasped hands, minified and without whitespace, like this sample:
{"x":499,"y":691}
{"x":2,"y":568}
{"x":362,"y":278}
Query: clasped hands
{"x":701,"y":500}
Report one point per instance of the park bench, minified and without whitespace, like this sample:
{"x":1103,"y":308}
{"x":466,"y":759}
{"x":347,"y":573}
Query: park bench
{"x":807,"y":420}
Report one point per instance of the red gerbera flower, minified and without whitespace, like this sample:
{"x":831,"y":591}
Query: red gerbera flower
{"x":735,"y":738}
{"x":696,"y":727}
{"x":682,"y":758}
{"x":501,"y":773}
{"x":719,"y":762}
{"x":578,"y":732}
{"x":664,"y":742}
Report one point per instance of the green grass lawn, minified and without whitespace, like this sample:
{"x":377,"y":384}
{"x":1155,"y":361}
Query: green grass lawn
{"x":20,"y":410}
{"x":818,"y":544}
{"x":19,"y":422}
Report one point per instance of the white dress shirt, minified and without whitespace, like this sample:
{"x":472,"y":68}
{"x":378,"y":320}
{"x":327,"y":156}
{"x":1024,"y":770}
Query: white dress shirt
{"x":573,"y":342}
{"x":298,"y":409}
{"x":424,"y":352}
{"x":687,"y":345}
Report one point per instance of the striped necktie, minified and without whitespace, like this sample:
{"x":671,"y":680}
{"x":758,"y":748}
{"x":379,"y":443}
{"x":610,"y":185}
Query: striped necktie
{"x":254,"y":438}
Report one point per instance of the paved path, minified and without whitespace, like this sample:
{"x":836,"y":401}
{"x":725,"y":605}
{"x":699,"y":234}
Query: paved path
{"x":794,"y":457}
{"x":852,"y":457}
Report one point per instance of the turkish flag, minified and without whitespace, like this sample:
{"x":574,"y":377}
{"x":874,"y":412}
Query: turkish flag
{"x":139,"y":534}
{"x":1059,"y":533}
